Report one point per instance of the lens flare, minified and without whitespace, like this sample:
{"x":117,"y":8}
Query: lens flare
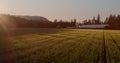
{"x":6,"y":38}
{"x":3,"y":26}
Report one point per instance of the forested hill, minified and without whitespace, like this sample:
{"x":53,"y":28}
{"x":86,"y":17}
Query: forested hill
{"x":12,"y":21}
{"x":20,"y":22}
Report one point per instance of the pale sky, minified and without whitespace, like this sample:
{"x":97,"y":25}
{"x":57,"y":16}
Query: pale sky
{"x":61,"y":9}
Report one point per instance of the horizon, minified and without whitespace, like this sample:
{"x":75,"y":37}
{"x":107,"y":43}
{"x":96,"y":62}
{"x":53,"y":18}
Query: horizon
{"x":61,"y":9}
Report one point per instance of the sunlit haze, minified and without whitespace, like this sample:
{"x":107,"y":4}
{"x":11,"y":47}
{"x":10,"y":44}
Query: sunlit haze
{"x":61,"y":9}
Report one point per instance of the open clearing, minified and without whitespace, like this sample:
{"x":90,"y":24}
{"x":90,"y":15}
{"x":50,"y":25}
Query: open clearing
{"x":60,"y":46}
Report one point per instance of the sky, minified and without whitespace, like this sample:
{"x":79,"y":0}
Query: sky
{"x":61,"y":9}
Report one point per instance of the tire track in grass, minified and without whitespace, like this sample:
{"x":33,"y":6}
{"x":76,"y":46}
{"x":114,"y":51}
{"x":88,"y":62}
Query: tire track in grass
{"x":74,"y":45}
{"x":115,"y":42}
{"x":99,"y":45}
{"x":62,"y":54}
{"x":117,"y":46}
{"x":68,"y":47}
{"x":31,"y":50}
{"x":82,"y":34}
{"x":26,"y":46}
{"x":85,"y":49}
{"x":63,"y":51}
{"x":96,"y":49}
{"x":104,"y":60}
{"x":44,"y":45}
{"x":106,"y":45}
{"x":98,"y":55}
{"x":111,"y":48}
{"x":108,"y":53}
{"x":104,"y":55}
{"x":57,"y":42}
{"x":107,"y":48}
{"x":42,"y":41}
{"x":91,"y":48}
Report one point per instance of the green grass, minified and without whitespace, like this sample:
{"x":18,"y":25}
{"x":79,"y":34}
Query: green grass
{"x":60,"y":46}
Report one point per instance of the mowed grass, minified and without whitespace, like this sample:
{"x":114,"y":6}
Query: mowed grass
{"x":60,"y":46}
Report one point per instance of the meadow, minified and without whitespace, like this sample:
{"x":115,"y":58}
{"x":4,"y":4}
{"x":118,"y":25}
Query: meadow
{"x":60,"y":46}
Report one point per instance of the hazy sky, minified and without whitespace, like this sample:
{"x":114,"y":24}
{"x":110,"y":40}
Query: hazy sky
{"x":61,"y":9}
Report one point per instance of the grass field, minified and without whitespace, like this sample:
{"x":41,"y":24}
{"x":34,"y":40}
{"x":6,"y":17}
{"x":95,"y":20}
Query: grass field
{"x":60,"y":46}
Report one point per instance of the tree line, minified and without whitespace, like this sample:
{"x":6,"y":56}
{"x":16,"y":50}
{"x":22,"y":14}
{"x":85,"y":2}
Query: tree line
{"x":14,"y":21}
{"x":64,"y":24}
{"x":92,"y":21}
{"x":113,"y":21}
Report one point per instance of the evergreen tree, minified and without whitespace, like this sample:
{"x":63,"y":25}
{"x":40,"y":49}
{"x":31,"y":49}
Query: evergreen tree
{"x":74,"y":22}
{"x":98,"y":21}
{"x":93,"y":20}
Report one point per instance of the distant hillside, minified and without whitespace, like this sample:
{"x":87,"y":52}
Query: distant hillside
{"x":35,"y":18}
{"x":12,"y":21}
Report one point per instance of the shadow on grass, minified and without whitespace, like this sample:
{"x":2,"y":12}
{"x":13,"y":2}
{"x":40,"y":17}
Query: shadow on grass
{"x":6,"y":52}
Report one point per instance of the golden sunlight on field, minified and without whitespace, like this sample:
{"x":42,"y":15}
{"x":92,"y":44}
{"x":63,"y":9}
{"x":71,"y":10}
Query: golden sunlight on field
{"x":61,"y":46}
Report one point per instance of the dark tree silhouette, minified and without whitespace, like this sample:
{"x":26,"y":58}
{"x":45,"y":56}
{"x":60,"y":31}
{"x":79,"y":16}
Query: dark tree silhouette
{"x":113,"y":21}
{"x":98,"y":21}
